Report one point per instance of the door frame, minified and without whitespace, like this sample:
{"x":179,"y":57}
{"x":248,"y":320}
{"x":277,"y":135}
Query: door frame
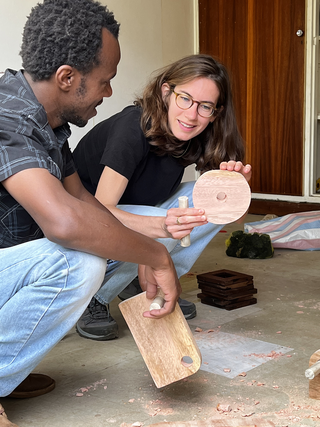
{"x":311,"y":100}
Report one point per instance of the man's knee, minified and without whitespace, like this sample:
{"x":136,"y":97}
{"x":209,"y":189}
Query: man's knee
{"x":92,"y":269}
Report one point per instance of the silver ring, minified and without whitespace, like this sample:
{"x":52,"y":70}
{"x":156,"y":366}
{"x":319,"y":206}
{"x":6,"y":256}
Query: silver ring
{"x":178,"y":222}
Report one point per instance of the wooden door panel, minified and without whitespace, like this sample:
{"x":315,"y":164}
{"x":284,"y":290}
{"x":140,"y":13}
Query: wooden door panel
{"x":256,"y":40}
{"x":229,"y":45}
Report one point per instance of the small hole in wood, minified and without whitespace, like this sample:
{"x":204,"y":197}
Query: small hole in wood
{"x":221,"y":196}
{"x":186,"y":361}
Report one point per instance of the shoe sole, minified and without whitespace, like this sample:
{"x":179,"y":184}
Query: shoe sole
{"x":29,"y":394}
{"x":191,"y":315}
{"x":108,"y":337}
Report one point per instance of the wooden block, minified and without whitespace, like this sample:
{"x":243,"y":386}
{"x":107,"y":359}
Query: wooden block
{"x":214,"y":291}
{"x":230,"y":306}
{"x":314,"y":384}
{"x":224,"y":277}
{"x":224,"y":302}
{"x":225,"y":286}
{"x":229,"y":294}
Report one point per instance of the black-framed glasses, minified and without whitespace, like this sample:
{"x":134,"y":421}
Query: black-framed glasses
{"x":205,"y":109}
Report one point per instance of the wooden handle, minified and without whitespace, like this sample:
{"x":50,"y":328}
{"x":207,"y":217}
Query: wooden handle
{"x":313,"y":371}
{"x":314,"y":383}
{"x":184,"y":203}
{"x":158,"y":302}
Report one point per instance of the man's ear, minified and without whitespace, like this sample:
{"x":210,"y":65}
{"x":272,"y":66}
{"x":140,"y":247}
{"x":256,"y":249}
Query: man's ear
{"x":165,"y":89}
{"x":65,"y":77}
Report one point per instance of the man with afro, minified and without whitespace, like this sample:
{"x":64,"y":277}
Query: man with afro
{"x":55,"y":237}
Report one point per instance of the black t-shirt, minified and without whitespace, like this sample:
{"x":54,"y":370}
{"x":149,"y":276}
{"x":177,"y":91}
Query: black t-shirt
{"x":120,"y":144}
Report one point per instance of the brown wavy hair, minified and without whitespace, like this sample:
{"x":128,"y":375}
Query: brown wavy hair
{"x":220,"y":141}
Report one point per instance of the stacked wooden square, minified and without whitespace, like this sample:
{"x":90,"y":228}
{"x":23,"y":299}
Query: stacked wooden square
{"x":226,"y":289}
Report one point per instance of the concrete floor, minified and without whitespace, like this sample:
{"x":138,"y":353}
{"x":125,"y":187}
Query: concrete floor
{"x":108,"y":384}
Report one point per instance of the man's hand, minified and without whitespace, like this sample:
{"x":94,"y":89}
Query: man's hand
{"x":165,"y":279}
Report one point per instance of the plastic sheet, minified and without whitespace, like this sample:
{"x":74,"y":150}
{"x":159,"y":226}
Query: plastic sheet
{"x":300,"y":231}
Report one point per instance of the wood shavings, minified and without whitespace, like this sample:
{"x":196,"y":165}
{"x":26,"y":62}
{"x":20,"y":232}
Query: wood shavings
{"x":224,"y":408}
{"x":242,"y":374}
{"x":198,"y":329}
{"x":248,"y":414}
{"x":135,"y":424}
{"x":227,"y":370}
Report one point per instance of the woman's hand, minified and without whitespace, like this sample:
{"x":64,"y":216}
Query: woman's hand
{"x":180,"y":222}
{"x":246,"y":171}
{"x":232,"y":165}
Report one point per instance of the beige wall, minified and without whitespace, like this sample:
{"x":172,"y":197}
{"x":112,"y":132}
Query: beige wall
{"x":153,"y":33}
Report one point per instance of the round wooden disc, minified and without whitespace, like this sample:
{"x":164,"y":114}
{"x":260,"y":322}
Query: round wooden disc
{"x":225,"y":196}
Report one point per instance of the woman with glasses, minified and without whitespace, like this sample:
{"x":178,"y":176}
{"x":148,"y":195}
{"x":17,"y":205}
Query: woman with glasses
{"x":134,"y":163}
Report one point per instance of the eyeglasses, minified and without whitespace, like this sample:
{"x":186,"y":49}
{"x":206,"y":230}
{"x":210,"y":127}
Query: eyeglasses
{"x":205,"y":109}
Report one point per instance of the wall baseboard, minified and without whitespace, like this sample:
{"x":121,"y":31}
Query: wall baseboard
{"x":280,"y":208}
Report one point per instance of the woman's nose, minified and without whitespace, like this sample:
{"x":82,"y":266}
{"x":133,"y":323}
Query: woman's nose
{"x":192,"y":112}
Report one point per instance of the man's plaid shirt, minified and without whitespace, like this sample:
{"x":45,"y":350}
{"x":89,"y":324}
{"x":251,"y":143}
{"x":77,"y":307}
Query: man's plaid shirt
{"x":26,"y":141}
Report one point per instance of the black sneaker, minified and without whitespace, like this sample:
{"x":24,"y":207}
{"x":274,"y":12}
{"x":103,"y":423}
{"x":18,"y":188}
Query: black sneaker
{"x":188,"y":308}
{"x":96,"y":323}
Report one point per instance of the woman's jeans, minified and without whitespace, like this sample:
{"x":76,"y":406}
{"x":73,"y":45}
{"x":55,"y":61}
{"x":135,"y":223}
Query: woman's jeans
{"x":120,"y":274}
{"x":44,"y":289}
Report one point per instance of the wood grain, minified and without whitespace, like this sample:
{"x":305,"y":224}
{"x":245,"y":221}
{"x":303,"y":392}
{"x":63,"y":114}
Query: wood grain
{"x":163,"y":343}
{"x":314,"y":385}
{"x":257,"y":42}
{"x":224,"y":195}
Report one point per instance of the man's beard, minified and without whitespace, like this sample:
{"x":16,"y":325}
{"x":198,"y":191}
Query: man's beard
{"x":71,"y":116}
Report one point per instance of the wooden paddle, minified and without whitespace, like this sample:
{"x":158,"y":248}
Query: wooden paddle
{"x":166,"y":345}
{"x":224,"y":195}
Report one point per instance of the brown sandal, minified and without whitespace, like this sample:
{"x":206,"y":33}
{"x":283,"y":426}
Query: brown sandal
{"x":34,"y":385}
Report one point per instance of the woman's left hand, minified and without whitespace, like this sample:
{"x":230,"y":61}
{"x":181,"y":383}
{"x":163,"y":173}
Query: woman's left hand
{"x":232,"y":165}
{"x":179,"y":222}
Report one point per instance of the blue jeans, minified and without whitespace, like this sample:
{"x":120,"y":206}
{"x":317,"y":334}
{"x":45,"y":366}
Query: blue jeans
{"x":120,"y":274}
{"x":44,"y":289}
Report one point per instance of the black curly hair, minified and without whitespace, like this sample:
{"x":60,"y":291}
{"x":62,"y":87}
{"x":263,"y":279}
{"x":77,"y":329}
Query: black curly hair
{"x":64,"y":32}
